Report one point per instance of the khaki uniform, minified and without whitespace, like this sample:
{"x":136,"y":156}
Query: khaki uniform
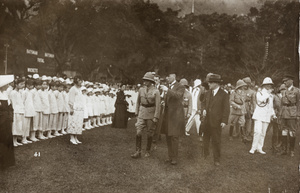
{"x":290,"y":111}
{"x":147,"y":108}
{"x":250,"y":107}
{"x":238,"y":108}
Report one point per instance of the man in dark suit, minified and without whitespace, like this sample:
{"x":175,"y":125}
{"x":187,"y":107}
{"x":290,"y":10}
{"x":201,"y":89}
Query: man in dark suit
{"x":216,"y":111}
{"x":173,"y":121}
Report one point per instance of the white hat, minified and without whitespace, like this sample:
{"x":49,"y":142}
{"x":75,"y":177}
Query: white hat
{"x":96,"y":90}
{"x":61,"y":79}
{"x":49,"y":78}
{"x":44,"y":77}
{"x":267,"y":80}
{"x":83,"y":88}
{"x":35,"y":76}
{"x":90,"y":90}
{"x":6,"y":79}
{"x":197,"y":82}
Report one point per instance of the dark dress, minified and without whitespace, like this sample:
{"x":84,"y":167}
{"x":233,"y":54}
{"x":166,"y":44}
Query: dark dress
{"x":7,"y":157}
{"x":121,"y":115}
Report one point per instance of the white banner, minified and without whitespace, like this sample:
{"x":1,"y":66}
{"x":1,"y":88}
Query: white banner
{"x":49,"y":55}
{"x":31,"y":52}
{"x":33,"y":70}
{"x":40,"y":60}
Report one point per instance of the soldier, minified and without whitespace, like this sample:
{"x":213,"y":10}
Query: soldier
{"x":289,"y":114}
{"x":238,"y":109}
{"x":147,"y":110}
{"x":250,"y":105}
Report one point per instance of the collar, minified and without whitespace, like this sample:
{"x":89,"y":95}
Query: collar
{"x":173,"y":83}
{"x":290,"y":88}
{"x":216,"y":90}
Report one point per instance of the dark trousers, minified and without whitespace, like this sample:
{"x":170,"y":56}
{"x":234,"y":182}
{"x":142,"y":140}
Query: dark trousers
{"x":172,"y":142}
{"x":276,"y":133}
{"x":215,"y":135}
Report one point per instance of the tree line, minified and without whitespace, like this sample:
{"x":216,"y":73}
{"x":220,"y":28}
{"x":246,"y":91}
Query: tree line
{"x":126,"y":38}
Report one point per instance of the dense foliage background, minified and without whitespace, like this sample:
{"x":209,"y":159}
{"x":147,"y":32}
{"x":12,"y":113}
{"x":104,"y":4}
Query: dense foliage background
{"x":126,"y":38}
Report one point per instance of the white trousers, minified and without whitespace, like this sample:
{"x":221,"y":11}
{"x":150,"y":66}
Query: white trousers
{"x":260,"y":129}
{"x":193,"y":119}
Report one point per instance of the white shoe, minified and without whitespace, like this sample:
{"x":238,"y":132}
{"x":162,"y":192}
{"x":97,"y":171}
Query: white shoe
{"x":64,"y":132}
{"x":252,"y":151}
{"x":261,"y":152}
{"x":28,"y":141}
{"x":73,"y":142}
{"x":24,"y":142}
{"x":77,"y":141}
{"x":34,"y":139}
{"x":83,"y":129}
{"x":100,"y":125}
{"x":187,"y":134}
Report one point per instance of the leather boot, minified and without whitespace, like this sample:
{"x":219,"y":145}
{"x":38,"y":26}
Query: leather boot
{"x":148,"y":148}
{"x":230,"y":132}
{"x":292,"y":145}
{"x":138,"y":143}
{"x":284,"y":145}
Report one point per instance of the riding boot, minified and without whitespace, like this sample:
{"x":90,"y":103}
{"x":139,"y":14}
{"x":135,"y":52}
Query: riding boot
{"x":284,"y":145}
{"x":230,"y":132}
{"x":138,"y":143}
{"x":292,"y":145}
{"x":148,"y":148}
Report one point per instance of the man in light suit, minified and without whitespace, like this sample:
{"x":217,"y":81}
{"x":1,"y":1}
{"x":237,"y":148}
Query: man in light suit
{"x":148,"y":112}
{"x":216,"y":110}
{"x":173,"y":122}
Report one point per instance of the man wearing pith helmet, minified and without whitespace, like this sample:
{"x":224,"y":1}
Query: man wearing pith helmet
{"x":263,"y":114}
{"x":290,"y":113}
{"x":250,"y":105}
{"x":238,"y":110}
{"x":148,"y":112}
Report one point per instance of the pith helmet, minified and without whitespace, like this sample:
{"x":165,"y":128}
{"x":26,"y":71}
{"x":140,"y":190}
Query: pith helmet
{"x":240,"y":83}
{"x":184,"y":82}
{"x":149,"y":76}
{"x":267,"y":81}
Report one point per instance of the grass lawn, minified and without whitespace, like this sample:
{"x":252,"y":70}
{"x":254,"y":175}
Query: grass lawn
{"x":103,"y":164}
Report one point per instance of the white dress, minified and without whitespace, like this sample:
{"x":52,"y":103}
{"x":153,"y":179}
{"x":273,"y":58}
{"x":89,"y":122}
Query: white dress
{"x":75,"y":122}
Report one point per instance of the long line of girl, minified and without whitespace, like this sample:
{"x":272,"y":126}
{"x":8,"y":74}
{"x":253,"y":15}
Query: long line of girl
{"x":46,"y":107}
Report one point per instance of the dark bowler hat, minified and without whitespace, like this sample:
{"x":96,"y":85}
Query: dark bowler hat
{"x":214,"y":78}
{"x":288,"y":77}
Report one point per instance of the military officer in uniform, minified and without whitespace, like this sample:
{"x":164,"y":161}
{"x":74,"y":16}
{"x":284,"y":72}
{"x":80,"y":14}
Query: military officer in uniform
{"x":147,"y":111}
{"x":250,"y":106}
{"x":290,"y":112}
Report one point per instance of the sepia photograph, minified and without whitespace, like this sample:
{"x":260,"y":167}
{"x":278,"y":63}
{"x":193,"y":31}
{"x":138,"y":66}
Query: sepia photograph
{"x":149,"y":96}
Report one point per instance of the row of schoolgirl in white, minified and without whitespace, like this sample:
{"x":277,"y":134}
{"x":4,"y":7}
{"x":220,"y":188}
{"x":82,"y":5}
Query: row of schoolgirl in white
{"x":99,"y":107}
{"x":38,"y":111}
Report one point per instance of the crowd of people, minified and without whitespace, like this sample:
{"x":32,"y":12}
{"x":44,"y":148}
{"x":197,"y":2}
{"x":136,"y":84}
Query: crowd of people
{"x":38,"y":108}
{"x":249,"y":110}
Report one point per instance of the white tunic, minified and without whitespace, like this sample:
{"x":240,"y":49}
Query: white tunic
{"x":37,"y":101}
{"x":44,"y":95}
{"x":28,"y":103}
{"x":17,"y":101}
{"x":264,"y":106}
{"x":53,"y":102}
{"x":60,"y":102}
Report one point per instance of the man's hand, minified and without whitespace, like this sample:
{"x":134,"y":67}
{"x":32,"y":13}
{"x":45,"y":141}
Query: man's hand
{"x":164,"y":88}
{"x":223,"y":125}
{"x":155,"y":120}
{"x":71,"y":113}
{"x":188,"y":115}
{"x":204,"y":113}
